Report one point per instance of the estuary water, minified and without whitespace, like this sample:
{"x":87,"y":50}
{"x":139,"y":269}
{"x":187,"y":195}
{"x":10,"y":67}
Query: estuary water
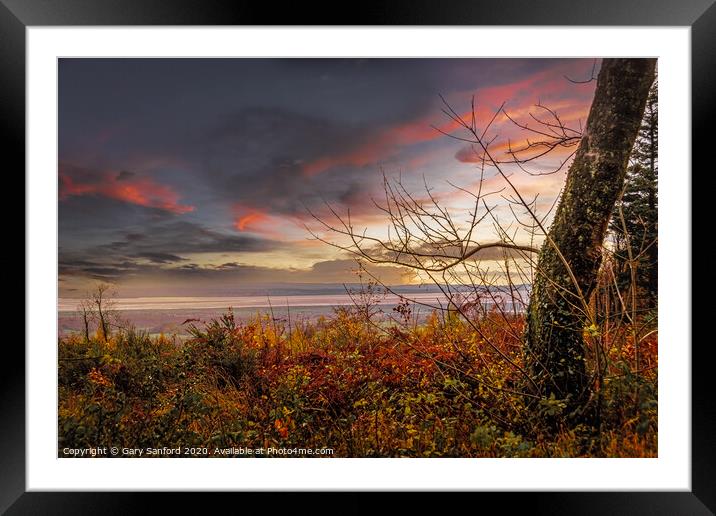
{"x":173,"y":314}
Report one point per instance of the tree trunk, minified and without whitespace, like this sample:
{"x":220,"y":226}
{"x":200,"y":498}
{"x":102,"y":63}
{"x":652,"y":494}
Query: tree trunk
{"x":653,"y":251}
{"x":85,"y":320}
{"x":556,"y":318}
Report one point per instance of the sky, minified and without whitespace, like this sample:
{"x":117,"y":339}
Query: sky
{"x":199,"y":176}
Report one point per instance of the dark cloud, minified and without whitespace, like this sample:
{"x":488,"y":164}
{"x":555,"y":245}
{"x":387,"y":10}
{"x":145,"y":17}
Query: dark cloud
{"x":228,"y":265}
{"x":328,"y":271}
{"x":161,"y":244}
{"x":446,"y":251}
{"x":168,"y":241}
{"x":227,"y":278}
{"x":124,"y":175}
{"x":161,"y":158}
{"x":108,"y":269}
{"x":160,"y":257}
{"x":231,"y":278}
{"x":258,"y":157}
{"x":104,"y":272}
{"x":244,"y":130}
{"x":183,"y":237}
{"x":89,"y":213}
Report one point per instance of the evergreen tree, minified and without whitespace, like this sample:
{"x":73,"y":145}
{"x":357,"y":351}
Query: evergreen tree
{"x":634,"y":224}
{"x":571,"y":256}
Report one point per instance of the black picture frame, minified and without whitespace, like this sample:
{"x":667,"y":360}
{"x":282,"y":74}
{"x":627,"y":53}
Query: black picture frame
{"x":17,"y":15}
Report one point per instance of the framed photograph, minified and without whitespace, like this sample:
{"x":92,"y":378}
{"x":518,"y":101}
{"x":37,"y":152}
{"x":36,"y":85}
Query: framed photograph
{"x":425,"y":249}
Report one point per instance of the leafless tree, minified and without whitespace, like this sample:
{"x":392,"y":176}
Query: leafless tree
{"x":104,"y":307}
{"x":560,"y":262}
{"x":85,"y":310}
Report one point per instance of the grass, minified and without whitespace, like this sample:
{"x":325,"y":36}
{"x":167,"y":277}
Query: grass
{"x":432,"y":390}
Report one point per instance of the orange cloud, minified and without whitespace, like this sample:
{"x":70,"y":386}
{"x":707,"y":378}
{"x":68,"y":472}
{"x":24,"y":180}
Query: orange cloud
{"x":499,"y":151}
{"x":385,"y":143}
{"x":255,"y":217}
{"x":247,"y":218}
{"x":418,"y":131}
{"x":140,"y":191}
{"x":364,"y":155}
{"x":520,"y":96}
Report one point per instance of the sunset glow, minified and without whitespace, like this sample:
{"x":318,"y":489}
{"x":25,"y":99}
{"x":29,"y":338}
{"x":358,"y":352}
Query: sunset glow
{"x":206,"y":174}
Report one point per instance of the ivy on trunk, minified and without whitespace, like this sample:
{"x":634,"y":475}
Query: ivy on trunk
{"x":570,"y":257}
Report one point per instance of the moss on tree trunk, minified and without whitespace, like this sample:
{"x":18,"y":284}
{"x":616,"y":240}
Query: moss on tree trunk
{"x":556,"y":318}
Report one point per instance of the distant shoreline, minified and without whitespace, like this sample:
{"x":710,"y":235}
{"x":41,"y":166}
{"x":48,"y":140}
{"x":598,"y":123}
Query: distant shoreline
{"x":202,"y":303}
{"x":306,"y":297}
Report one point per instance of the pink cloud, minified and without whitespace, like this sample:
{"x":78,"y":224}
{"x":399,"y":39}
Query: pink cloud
{"x":140,"y":191}
{"x":519,"y":96}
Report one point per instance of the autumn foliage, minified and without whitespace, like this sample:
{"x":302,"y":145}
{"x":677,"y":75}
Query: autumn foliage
{"x":345,"y":382}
